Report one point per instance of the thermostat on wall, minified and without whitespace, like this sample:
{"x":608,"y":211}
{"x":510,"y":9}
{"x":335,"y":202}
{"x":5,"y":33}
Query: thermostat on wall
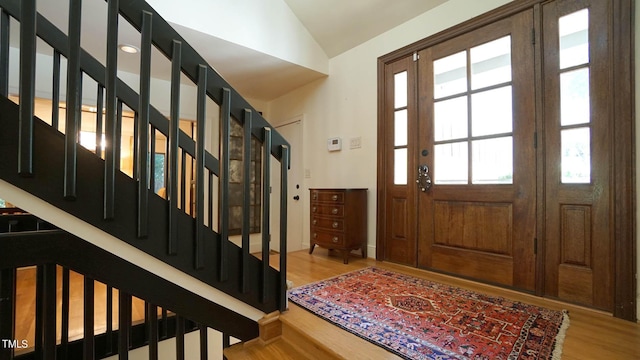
{"x":334,"y":144}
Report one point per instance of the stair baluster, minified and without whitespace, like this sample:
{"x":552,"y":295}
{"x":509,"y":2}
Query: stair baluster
{"x":152,"y":330}
{"x":200,"y":164}
{"x":124,"y":325}
{"x":142,"y":165}
{"x":45,"y":347}
{"x":223,"y":201}
{"x":74,"y":100}
{"x":284,"y":186}
{"x":266,"y":204}
{"x":27,"y":86}
{"x":89,"y":319}
{"x":109,"y":321}
{"x":204,"y":343}
{"x":111,"y":108}
{"x":179,"y":338}
{"x":172,"y":156}
{"x":64,"y":328}
{"x":246,"y":197}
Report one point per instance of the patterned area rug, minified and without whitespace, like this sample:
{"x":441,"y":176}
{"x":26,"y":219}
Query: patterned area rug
{"x":419,"y":319}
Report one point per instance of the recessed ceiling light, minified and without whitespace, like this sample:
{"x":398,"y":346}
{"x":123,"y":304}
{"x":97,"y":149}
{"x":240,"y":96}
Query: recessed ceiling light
{"x":129,"y":49}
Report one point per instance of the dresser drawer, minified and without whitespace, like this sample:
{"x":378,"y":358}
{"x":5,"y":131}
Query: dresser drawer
{"x":327,"y":239}
{"x":328,"y":196}
{"x":333,"y":210}
{"x":328,"y":223}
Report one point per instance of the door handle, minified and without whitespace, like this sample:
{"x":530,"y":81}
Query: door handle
{"x":296,"y":198}
{"x":424,"y":180}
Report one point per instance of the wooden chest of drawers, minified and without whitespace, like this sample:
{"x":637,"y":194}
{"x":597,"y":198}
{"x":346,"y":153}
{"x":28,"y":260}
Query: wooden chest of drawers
{"x":339,"y":220}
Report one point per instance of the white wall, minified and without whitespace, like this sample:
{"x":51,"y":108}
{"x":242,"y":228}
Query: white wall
{"x":267,"y":26}
{"x":345,"y":105}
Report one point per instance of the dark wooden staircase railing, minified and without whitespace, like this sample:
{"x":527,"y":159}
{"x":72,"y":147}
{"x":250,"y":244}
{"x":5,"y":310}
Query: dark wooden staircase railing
{"x":90,"y":186}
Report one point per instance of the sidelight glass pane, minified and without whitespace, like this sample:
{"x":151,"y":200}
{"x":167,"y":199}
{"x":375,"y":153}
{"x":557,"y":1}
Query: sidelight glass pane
{"x":574,"y":39}
{"x":400,"y":89}
{"x":576,"y":156}
{"x":450,"y":75}
{"x":491,"y":112}
{"x":400,"y":167}
{"x":491,"y":63}
{"x":450,"y":119}
{"x":451,"y":163}
{"x":574,"y":97}
{"x":493,"y":161}
{"x":400,"y":128}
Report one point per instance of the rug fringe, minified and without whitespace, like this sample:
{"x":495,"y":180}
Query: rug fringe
{"x":562,"y":332}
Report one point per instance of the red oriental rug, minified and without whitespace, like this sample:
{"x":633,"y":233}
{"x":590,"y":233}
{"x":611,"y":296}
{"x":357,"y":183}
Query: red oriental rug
{"x":419,"y":319}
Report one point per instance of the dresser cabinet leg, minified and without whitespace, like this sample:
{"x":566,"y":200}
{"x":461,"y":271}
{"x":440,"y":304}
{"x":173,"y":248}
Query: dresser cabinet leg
{"x":345,"y":256}
{"x":311,"y":248}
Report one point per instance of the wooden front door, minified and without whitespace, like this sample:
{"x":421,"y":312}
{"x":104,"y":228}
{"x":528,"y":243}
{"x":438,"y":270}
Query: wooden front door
{"x":497,"y":157}
{"x":478,"y":218}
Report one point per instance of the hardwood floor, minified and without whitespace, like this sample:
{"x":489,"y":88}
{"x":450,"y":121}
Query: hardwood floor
{"x":591,"y":335}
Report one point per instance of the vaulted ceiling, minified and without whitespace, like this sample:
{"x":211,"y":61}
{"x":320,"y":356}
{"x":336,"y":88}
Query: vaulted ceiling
{"x":339,"y":25}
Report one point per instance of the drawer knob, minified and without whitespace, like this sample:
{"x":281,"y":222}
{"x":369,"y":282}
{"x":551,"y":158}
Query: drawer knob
{"x":334,"y":197}
{"x":335,"y":239}
{"x":315,"y":209}
{"x":315,"y":236}
{"x":334,"y":211}
{"x":315,"y":196}
{"x":335,"y":225}
{"x":315,"y":221}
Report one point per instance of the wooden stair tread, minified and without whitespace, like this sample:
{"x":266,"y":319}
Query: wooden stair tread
{"x":340,"y":344}
{"x":306,"y":336}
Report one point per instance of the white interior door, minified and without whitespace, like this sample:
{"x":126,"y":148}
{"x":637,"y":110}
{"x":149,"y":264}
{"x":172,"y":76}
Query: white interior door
{"x":292,"y":132}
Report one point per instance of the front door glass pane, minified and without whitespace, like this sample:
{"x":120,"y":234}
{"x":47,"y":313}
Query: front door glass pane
{"x":450,"y":75}
{"x":491,"y":63}
{"x":451,"y":163}
{"x":491,"y":112}
{"x":493,"y":161}
{"x":450,"y":119}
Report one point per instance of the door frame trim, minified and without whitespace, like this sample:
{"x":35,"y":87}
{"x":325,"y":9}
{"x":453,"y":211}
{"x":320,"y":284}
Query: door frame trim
{"x":624,"y":181}
{"x":299,"y":119}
